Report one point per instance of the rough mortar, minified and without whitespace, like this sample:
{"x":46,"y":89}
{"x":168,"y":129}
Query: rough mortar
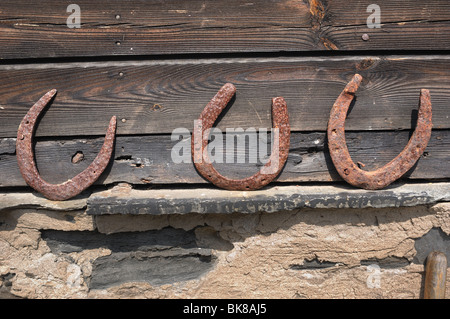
{"x":309,"y":253}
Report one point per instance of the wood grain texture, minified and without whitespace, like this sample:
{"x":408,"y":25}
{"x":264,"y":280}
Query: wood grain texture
{"x":37,"y":29}
{"x":148,"y":159}
{"x":154,"y":97}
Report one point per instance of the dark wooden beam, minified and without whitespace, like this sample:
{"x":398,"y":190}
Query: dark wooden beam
{"x":149,"y":160}
{"x":38,"y":29}
{"x":154,"y":97}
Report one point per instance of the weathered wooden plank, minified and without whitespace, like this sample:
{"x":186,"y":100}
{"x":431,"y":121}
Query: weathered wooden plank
{"x":30,"y":29}
{"x":149,"y":159}
{"x":159,"y":96}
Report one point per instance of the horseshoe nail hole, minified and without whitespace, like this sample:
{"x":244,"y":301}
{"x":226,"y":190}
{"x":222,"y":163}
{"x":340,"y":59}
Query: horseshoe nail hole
{"x":346,"y":171}
{"x":425,"y":154}
{"x":27,"y":122}
{"x":77,"y":157}
{"x":334,"y":132}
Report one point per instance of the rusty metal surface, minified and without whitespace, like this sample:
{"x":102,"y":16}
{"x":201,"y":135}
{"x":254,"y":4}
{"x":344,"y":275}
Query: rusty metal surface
{"x":393,"y":170}
{"x":435,"y":276}
{"x":278,"y":157}
{"x":27,"y":165}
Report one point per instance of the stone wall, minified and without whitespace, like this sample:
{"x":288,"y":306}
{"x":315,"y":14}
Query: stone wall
{"x":306,"y":253}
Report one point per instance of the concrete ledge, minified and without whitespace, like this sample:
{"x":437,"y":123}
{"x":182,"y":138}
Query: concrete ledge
{"x":13,"y":200}
{"x":125,"y":200}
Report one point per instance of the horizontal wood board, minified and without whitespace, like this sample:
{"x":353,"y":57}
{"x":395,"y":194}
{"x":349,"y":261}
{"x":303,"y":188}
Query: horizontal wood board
{"x":156,"y":64}
{"x":38,"y":29}
{"x":149,"y":159}
{"x":156,"y":97}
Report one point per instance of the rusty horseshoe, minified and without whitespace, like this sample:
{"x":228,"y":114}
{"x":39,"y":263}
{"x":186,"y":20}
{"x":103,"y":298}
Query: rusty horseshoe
{"x":27,"y":165}
{"x":280,"y":147}
{"x":393,"y":170}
